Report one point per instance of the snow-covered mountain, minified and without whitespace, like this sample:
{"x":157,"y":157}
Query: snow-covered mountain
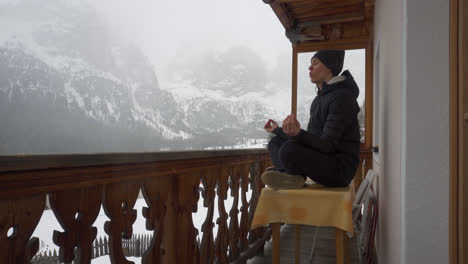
{"x":70,"y":84}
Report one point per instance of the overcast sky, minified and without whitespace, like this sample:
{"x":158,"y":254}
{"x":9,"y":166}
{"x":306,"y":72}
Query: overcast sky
{"x":165,"y":29}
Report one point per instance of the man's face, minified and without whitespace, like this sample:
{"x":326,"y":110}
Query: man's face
{"x":317,"y":71}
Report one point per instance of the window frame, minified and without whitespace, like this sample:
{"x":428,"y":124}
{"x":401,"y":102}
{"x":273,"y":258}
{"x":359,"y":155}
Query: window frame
{"x":368,"y":47}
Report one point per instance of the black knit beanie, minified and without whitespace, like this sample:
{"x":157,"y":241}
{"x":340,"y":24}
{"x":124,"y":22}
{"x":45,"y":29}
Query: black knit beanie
{"x":333,"y":59}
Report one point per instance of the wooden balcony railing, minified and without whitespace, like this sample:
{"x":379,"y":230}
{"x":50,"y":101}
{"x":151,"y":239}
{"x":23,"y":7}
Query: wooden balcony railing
{"x":78,"y":184}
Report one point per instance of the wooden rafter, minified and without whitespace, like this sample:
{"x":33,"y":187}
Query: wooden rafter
{"x":327,"y":13}
{"x":316,"y":10}
{"x":321,"y":2}
{"x":357,"y":43}
{"x":338,"y":18}
{"x":324,"y":20}
{"x":343,"y":19}
{"x":284,"y":17}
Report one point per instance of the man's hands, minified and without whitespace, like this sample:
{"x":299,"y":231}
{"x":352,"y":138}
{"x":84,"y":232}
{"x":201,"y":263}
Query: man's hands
{"x":270,"y":125}
{"x":291,"y":126}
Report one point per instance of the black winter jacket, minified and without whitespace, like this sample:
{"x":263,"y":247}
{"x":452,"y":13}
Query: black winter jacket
{"x":333,"y":127}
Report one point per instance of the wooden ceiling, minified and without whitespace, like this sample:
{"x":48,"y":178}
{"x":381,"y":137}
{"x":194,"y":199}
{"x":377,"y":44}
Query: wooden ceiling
{"x":325,"y":21}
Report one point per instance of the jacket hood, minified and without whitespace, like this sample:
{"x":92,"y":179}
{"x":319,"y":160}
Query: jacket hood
{"x":348,"y":85}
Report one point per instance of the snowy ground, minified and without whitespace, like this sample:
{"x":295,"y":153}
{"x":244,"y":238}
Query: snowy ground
{"x":252,"y":143}
{"x":48,"y":223}
{"x":106,"y":260}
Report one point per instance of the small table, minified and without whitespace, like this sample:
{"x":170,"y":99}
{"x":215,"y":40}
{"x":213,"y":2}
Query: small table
{"x":314,"y":205}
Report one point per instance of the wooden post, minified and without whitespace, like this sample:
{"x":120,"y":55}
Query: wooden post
{"x":453,"y":138}
{"x":462,"y":130}
{"x":347,"y":249}
{"x":294,"y":82}
{"x":77,"y":255}
{"x":137,"y":247}
{"x":106,"y":246}
{"x":100,"y":249}
{"x":179,"y":235}
{"x":297,"y":235}
{"x":339,"y":239}
{"x":275,"y":237}
{"x":22,"y":215}
{"x":369,"y":94}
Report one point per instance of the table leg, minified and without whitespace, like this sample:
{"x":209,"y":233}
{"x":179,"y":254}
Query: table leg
{"x":275,"y":237}
{"x":339,"y":239}
{"x":297,"y":235}
{"x":347,"y":249}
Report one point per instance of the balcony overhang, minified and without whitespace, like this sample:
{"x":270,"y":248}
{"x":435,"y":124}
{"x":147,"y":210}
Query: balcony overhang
{"x":312,"y":24}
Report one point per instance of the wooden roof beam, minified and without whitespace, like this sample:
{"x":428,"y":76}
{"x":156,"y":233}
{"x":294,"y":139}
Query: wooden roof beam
{"x":342,"y":19}
{"x":355,"y":16}
{"x":312,"y":30}
{"x":312,"y":1}
{"x":314,"y":6}
{"x":280,"y":11}
{"x":356,"y":43}
{"x":327,"y":11}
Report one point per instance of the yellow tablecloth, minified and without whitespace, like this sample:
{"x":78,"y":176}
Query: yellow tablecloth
{"x":314,"y":205}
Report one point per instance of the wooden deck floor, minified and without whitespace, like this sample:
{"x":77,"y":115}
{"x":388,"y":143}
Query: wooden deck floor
{"x":324,"y":252}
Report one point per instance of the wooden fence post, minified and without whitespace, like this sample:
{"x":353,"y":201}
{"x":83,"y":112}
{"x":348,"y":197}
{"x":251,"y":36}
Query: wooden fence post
{"x":137,"y":248}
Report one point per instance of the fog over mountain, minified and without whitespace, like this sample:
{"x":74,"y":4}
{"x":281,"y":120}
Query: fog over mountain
{"x":69,"y":82}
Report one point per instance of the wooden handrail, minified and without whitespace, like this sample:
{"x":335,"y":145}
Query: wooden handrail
{"x":78,"y":184}
{"x":64,"y":172}
{"x":172,"y":183}
{"x":21,"y":162}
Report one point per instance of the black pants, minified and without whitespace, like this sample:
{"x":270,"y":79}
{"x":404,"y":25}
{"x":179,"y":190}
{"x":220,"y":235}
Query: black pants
{"x":294,"y":158}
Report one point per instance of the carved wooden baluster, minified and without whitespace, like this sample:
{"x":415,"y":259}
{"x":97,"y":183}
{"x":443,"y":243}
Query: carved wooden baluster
{"x":255,"y":186}
{"x":234,"y":223}
{"x":222,"y":238}
{"x":195,"y":199}
{"x":185,"y":197}
{"x":155,"y":190}
{"x":265,"y":164}
{"x":76,"y":210}
{"x":244,"y":223}
{"x":22,"y":215}
{"x":260,"y":231}
{"x":119,"y":200}
{"x":207,"y":244}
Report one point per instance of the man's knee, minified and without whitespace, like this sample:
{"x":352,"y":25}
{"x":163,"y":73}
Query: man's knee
{"x":275,"y":143}
{"x":289,"y":150}
{"x":289,"y":157}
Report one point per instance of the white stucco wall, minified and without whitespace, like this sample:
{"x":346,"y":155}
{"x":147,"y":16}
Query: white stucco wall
{"x":425,"y":131}
{"x":387,"y":126}
{"x":411,"y":128}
